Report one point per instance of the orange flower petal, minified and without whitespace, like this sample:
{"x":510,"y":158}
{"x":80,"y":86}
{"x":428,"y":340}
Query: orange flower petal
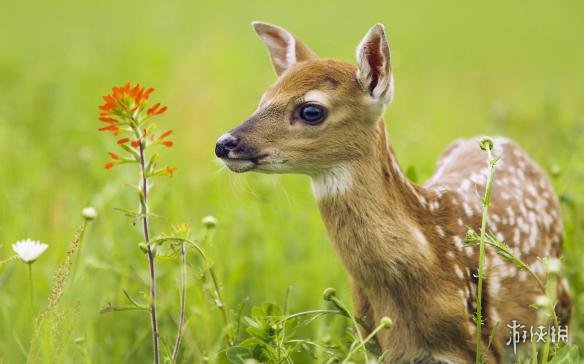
{"x":123,"y":140}
{"x":109,"y":100}
{"x":135,"y":143}
{"x":114,"y":156}
{"x":109,"y":165}
{"x":111,"y":127}
{"x":152,"y":110}
{"x":108,"y":119}
{"x":165,"y":134}
{"x":139,"y":96}
{"x":134,"y":91}
{"x":148,"y":92}
{"x":161,"y":111}
{"x":170,"y":170}
{"x":168,"y":143}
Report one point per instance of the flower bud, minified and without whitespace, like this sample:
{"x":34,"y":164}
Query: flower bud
{"x":486,"y":143}
{"x":553,"y":266}
{"x":143,"y":247}
{"x":386,"y":322}
{"x":329,"y":293}
{"x":89,"y":213}
{"x":556,"y":170}
{"x":209,"y":222}
{"x":542,"y":301}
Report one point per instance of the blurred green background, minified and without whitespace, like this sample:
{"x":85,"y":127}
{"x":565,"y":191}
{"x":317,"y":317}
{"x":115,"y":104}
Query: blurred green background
{"x":461,"y":69}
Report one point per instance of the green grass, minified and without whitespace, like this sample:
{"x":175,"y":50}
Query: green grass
{"x":461,"y":69}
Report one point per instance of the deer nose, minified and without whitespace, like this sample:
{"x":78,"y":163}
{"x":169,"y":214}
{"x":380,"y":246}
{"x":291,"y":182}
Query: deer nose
{"x":225,"y":143}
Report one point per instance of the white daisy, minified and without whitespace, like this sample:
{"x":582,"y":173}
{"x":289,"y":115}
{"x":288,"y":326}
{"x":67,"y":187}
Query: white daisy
{"x":29,"y":250}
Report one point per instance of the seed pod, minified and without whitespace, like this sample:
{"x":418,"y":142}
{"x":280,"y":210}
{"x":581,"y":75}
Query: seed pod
{"x":209,"y":222}
{"x":486,"y":143}
{"x":89,"y":213}
{"x":329,"y":293}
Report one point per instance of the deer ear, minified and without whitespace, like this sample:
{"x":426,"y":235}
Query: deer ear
{"x":374,"y":67}
{"x":284,"y":49}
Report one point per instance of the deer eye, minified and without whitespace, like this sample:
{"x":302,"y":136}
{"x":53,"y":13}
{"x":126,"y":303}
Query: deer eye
{"x":312,"y":113}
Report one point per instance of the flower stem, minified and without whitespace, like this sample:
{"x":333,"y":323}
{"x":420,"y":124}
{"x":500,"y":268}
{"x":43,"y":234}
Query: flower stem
{"x":486,"y":201}
{"x":183,"y":291}
{"x":363,"y":342}
{"x":348,"y":313}
{"x":216,"y":288}
{"x":81,"y":234}
{"x":31,"y":286}
{"x":150,"y":252}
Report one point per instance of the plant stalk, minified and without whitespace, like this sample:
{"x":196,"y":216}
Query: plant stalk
{"x":31,"y":286}
{"x":362,"y":343}
{"x":150,"y":253}
{"x":183,"y":292}
{"x":215,"y":282}
{"x":486,"y":201}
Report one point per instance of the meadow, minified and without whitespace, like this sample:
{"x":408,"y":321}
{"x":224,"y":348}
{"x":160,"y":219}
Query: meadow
{"x":461,"y":69}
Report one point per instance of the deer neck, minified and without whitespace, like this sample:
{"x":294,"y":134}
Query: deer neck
{"x":371,"y":210}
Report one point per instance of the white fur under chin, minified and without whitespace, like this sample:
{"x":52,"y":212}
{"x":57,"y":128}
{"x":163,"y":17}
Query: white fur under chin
{"x":331,"y":183}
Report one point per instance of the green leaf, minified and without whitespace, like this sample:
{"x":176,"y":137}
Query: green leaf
{"x":566,"y":355}
{"x":238,"y":354}
{"x":272,"y":310}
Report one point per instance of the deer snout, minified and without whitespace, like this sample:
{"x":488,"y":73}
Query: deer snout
{"x":225,"y":144}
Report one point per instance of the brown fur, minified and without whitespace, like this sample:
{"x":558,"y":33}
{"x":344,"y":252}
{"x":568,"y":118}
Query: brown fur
{"x":402,"y":243}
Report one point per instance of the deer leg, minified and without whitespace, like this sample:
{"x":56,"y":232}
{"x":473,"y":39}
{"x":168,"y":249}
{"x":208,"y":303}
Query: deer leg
{"x":564,"y":306}
{"x":364,"y":314}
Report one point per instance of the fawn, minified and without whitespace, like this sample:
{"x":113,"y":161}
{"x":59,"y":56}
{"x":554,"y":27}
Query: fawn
{"x":401,"y":243}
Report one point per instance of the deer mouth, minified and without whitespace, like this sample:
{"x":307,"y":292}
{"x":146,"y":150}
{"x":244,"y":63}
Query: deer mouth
{"x":244,"y":164}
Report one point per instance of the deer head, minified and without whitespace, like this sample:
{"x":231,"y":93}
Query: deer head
{"x":318,"y":114}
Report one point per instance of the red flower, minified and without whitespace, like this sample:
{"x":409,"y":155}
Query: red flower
{"x":109,"y":165}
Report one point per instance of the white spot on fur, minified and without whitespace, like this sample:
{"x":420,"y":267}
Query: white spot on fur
{"x":332,"y":183}
{"x":516,"y":153}
{"x":494,"y":286}
{"x":458,"y":243}
{"x":421,"y":240}
{"x":495,"y":316}
{"x":516,"y":235}
{"x":471,"y":328}
{"x":462,"y":296}
{"x":450,"y":254}
{"x":458,"y":271}
{"x":440,"y":231}
{"x":467,"y":209}
{"x":465,"y":185}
